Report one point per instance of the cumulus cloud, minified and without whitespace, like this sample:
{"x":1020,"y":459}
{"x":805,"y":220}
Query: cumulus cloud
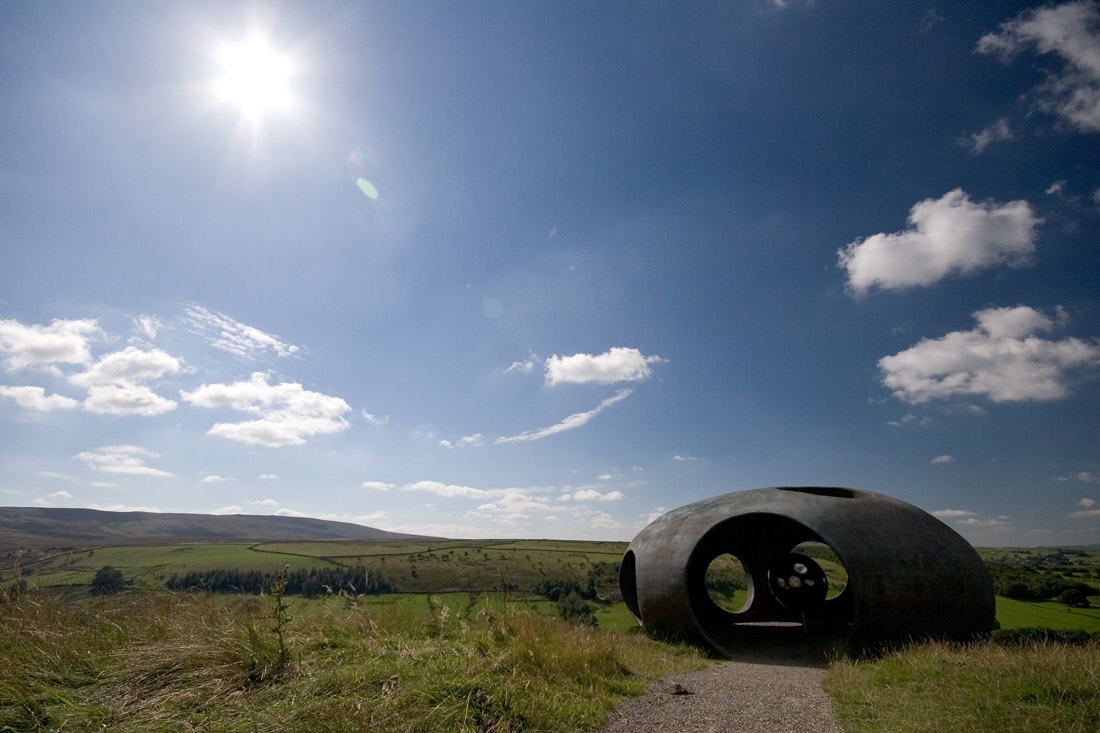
{"x":287,"y":413}
{"x":1070,"y":32}
{"x":129,"y":366}
{"x":35,"y":398}
{"x":1087,"y":503}
{"x":61,"y":495}
{"x":951,"y":234}
{"x":227,"y":510}
{"x":619,"y":364}
{"x":575,"y":420}
{"x":61,"y":342}
{"x":114,"y":399}
{"x":377,"y":485}
{"x":524,"y":366}
{"x":512,"y":506}
{"x":268,"y":476}
{"x":684,"y":459}
{"x":1089,"y":513}
{"x":264,"y":502}
{"x":146,"y":327}
{"x":943,"y":459}
{"x":122,"y":459}
{"x":979,"y":141}
{"x":232,"y":336}
{"x":213,"y":479}
{"x":1001,"y":359}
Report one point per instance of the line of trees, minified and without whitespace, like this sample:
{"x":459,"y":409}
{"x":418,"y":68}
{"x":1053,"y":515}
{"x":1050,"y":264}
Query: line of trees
{"x":1025,"y":583}
{"x":299,"y":582}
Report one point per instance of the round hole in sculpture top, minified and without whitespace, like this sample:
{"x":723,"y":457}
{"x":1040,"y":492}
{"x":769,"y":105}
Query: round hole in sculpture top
{"x":728,"y":583}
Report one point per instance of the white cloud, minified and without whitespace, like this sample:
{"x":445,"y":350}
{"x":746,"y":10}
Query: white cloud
{"x":56,"y":475}
{"x":1082,"y":476}
{"x":1070,"y":31}
{"x":234,"y":337}
{"x":1086,"y":513}
{"x":288,"y":414}
{"x":1087,"y":503}
{"x":619,"y":364}
{"x":268,"y":476}
{"x":979,"y":141}
{"x":61,"y":342}
{"x":452,"y":491}
{"x":1056,"y":188}
{"x":512,"y":506}
{"x":129,"y":366}
{"x":377,"y":485}
{"x":470,"y":441}
{"x":943,"y":459}
{"x":603,"y":520}
{"x":124,"y":459}
{"x":684,"y":459}
{"x":909,"y":418}
{"x":952,"y":513}
{"x":930,"y":20}
{"x":593,"y":495}
{"x":264,"y":502}
{"x":951,"y":234}
{"x":146,"y":327}
{"x":526,"y":366}
{"x":1001,"y":359}
{"x":124,"y":508}
{"x":113,"y":399}
{"x":61,"y":495}
{"x":212,"y":479}
{"x":227,"y":510}
{"x":575,"y":420}
{"x":374,"y":419}
{"x":997,"y":524}
{"x":103,"y":484}
{"x":34,"y":398}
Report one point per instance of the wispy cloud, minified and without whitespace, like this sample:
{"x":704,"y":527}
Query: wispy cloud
{"x":999,"y":131}
{"x":951,"y":234}
{"x":1071,"y":32}
{"x":1001,"y":359}
{"x":232,"y":336}
{"x":575,"y":420}
{"x":943,"y":459}
{"x":122,"y":459}
{"x":469,"y":441}
{"x":952,"y":513}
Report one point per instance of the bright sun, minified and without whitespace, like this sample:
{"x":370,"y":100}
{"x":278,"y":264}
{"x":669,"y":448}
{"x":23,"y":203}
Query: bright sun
{"x":255,"y":78}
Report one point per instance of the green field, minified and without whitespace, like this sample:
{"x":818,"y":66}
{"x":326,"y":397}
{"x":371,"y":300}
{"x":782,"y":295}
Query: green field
{"x":1047,"y":614}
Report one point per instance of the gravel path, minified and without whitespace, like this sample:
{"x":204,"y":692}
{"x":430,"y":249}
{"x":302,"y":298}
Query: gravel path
{"x":771,"y":695}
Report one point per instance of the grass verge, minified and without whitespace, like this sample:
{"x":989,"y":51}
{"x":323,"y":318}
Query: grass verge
{"x":978,"y":687}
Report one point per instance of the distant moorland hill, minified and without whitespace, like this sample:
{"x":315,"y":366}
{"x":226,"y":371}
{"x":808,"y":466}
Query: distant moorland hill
{"x":37,"y":526}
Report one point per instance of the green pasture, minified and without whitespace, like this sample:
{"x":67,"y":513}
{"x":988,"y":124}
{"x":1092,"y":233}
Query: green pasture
{"x":1048,"y":614}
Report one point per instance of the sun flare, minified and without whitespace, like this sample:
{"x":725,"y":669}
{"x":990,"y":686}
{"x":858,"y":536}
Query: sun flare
{"x":255,"y":77}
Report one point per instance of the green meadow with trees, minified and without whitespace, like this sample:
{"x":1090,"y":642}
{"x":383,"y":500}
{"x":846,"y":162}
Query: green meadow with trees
{"x":441,"y":635}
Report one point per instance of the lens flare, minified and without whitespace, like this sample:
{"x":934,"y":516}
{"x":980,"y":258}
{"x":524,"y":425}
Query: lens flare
{"x":363,"y":168}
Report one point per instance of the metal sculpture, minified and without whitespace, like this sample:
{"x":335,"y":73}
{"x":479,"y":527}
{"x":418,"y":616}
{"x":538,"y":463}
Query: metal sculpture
{"x":909,"y":574}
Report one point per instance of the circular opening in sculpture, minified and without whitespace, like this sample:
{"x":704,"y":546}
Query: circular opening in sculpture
{"x":835,"y":572}
{"x":727,"y":583}
{"x":628,"y":585}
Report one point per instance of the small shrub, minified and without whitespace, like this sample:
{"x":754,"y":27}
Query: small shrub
{"x":107,"y":580}
{"x":574,"y":608}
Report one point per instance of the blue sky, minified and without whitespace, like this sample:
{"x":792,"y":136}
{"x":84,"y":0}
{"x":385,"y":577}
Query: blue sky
{"x":497,"y":269}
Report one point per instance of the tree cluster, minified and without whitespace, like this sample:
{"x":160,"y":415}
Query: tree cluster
{"x":300,"y":582}
{"x":1028,"y":583}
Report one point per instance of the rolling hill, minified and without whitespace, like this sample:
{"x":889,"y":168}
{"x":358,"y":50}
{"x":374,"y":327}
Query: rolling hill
{"x":37,"y":526}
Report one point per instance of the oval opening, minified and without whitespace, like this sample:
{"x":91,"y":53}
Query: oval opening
{"x":727,"y":584}
{"x":628,"y":585}
{"x":834,"y":491}
{"x":835,"y":572}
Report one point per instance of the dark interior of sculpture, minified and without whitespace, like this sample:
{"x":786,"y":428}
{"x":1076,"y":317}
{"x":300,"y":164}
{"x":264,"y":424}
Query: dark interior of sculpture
{"x":800,"y":563}
{"x":783,"y":588}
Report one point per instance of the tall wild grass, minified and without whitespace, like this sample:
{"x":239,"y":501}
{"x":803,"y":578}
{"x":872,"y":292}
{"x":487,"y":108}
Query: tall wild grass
{"x":150,"y":662}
